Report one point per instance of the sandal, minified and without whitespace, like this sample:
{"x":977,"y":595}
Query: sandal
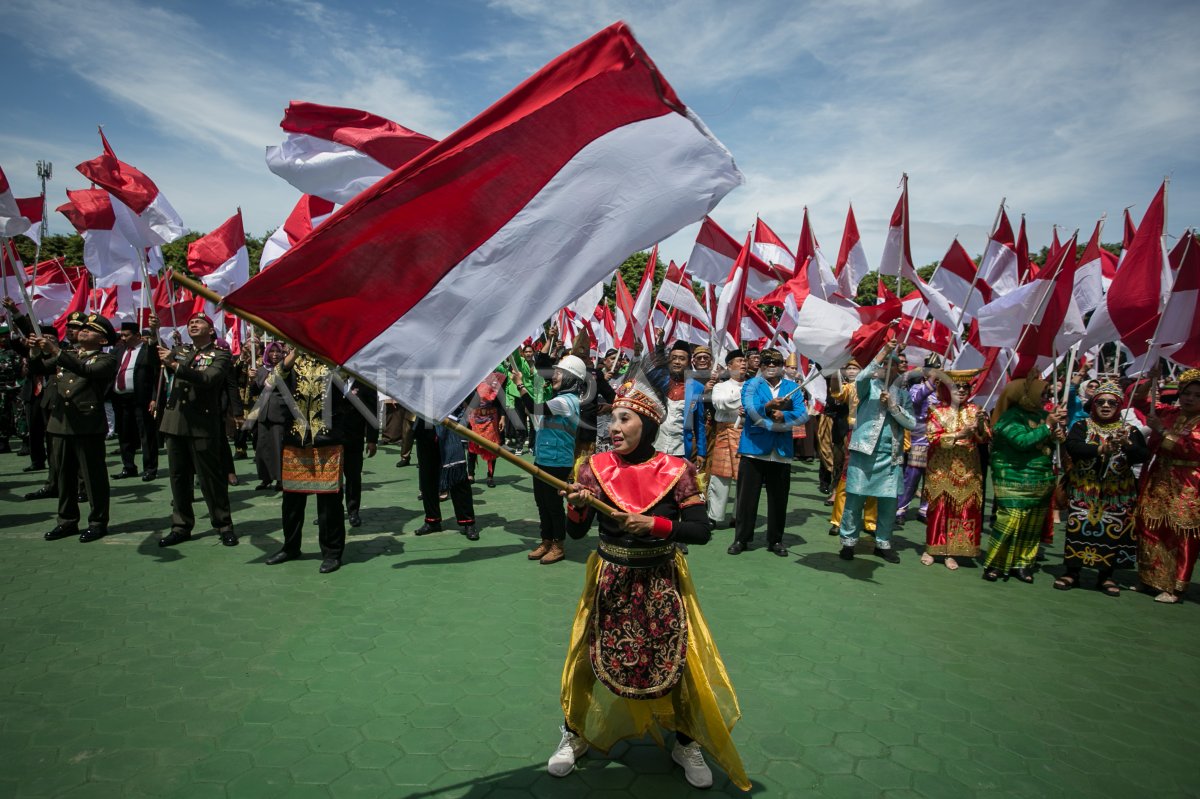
{"x":1167,"y":598}
{"x":1023,"y":575}
{"x":1109,"y":587}
{"x":951,"y":564}
{"x":927,"y":559}
{"x":991,"y":574}
{"x":1066,"y":582}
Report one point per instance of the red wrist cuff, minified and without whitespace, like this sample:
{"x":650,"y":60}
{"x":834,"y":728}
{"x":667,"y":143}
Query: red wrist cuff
{"x":662,"y":527}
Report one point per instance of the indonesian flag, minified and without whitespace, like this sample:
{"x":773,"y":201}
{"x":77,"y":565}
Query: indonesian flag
{"x":1132,"y":306}
{"x":13,"y":277}
{"x":691,"y":322}
{"x":220,"y":259}
{"x":956,"y":279}
{"x":12,"y":221}
{"x":1089,"y":275}
{"x":144,"y":216}
{"x":998,"y":267}
{"x":587,"y":302}
{"x":727,"y":320}
{"x":1128,"y":233}
{"x":309,"y":212}
{"x":57,"y":290}
{"x":821,"y":278}
{"x":897,"y":261}
{"x":755,"y":324}
{"x":1026,"y":270}
{"x":604,"y":327}
{"x":820,"y":330}
{"x":713,"y":256}
{"x":335,"y":153}
{"x":852,"y":265}
{"x":111,"y":259}
{"x":592,"y":158}
{"x":770,"y":248}
{"x":1180,"y":328}
{"x":643,"y":304}
{"x":625,"y":328}
{"x":33,"y":209}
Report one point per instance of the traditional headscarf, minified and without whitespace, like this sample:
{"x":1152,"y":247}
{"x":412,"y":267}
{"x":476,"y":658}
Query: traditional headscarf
{"x":956,"y":377}
{"x":1188,"y":377}
{"x":1026,"y":393}
{"x":271,"y":347}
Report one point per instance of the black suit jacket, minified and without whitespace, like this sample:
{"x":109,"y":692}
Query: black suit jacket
{"x":146,"y":373}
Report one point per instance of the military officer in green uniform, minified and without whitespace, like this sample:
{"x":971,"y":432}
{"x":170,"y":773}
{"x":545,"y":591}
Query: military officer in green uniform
{"x":10,"y":387}
{"x":44,"y":371}
{"x":193,"y":424}
{"x":77,"y":422}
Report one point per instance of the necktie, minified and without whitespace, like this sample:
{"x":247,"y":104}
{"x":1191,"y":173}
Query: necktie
{"x":121,"y":371}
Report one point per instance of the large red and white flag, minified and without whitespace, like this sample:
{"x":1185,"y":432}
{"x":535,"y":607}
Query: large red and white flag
{"x":852,"y":265}
{"x":714,"y":253}
{"x":219,"y":258}
{"x":1180,"y":328}
{"x":958,"y":281}
{"x":1089,"y":275}
{"x":1133,"y":305}
{"x":821,"y":279}
{"x":12,"y":221}
{"x":771,"y":249}
{"x":335,"y":153}
{"x":33,"y":209}
{"x":727,"y":319}
{"x":110,"y":258}
{"x":643,"y":303}
{"x":143,"y":214}
{"x":897,"y":262}
{"x":690,"y":319}
{"x":309,"y":212}
{"x":998,"y":267}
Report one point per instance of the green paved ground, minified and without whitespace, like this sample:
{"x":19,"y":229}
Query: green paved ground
{"x":430,"y":667}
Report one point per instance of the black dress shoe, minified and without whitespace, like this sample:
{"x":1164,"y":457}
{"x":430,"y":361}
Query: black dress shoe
{"x":400,"y":464}
{"x":149,"y":474}
{"x":330,"y":565}
{"x":887,"y":554}
{"x":228,"y":538}
{"x":846,"y":553}
{"x":778,"y":549}
{"x":61,"y":531}
{"x":491,"y":483}
{"x":316,"y":522}
{"x":174,"y":537}
{"x":280,"y":557}
{"x":92,"y":534}
{"x":277,"y":486}
{"x":263,"y":486}
{"x":429,"y":527}
{"x":121,"y":475}
{"x":834,"y":531}
{"x":42,"y":493}
{"x":354,"y":520}
{"x":33,"y":467}
{"x":736,"y":548}
{"x":471,"y":533}
{"x":81,"y":496}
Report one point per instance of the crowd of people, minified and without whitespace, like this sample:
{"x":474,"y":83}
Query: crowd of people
{"x":653,"y":449}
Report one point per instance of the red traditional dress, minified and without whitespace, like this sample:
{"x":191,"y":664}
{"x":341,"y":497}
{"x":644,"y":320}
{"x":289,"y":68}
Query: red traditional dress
{"x":484,"y":418}
{"x":954,"y":481}
{"x":1168,"y":515}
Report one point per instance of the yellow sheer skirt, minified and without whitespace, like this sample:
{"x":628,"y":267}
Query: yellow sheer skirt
{"x":702,"y":705}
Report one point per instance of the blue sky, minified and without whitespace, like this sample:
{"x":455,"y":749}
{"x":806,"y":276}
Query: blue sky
{"x":1067,"y":109}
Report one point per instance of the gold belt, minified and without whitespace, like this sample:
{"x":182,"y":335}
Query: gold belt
{"x":636,"y":553}
{"x":1181,"y":462}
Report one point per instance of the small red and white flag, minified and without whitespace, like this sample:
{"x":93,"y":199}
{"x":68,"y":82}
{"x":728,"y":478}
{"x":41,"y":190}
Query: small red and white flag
{"x":1089,"y":275}
{"x":625,"y":329}
{"x":12,"y":221}
{"x":335,"y":153}
{"x":219,"y":258}
{"x":852,"y":265}
{"x":771,"y":249}
{"x":676,"y":291}
{"x":821,"y":279}
{"x":998,"y":267}
{"x":143,"y":214}
{"x":111,"y":259}
{"x":959,"y":282}
{"x":643,"y":303}
{"x":309,"y":212}
{"x":1180,"y":328}
{"x":714,"y":253}
{"x":727,"y":319}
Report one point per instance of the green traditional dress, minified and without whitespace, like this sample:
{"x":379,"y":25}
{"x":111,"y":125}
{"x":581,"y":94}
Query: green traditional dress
{"x":1023,"y":476}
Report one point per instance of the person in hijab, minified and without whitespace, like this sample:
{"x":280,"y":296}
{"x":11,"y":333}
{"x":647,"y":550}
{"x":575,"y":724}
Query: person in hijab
{"x":1024,"y":435}
{"x":641,"y":657}
{"x":953,"y":477}
{"x":271,"y":417}
{"x":1168,"y":515}
{"x":1102,"y":492}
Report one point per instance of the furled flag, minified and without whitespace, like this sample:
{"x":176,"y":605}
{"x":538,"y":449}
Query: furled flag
{"x":110,"y":258}
{"x":852,"y":265}
{"x":12,"y":221}
{"x":309,"y":212}
{"x":771,"y":249}
{"x":998,"y":267}
{"x":604,"y":328}
{"x":1026,"y":269}
{"x":727,"y":319}
{"x":1180,"y":329}
{"x":143,"y":214}
{"x":625,"y":333}
{"x":690,"y":316}
{"x":335,"y":153}
{"x":1133,"y":304}
{"x":1089,"y":275}
{"x":592,"y":158}
{"x":713,"y":256}
{"x":643,"y":303}
{"x":957,"y":279}
{"x":219,"y":258}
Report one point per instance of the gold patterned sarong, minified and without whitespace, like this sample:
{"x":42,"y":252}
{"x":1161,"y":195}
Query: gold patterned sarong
{"x":312,"y":470}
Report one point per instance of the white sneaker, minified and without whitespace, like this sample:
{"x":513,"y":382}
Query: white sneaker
{"x":562,"y":762}
{"x":691,"y":758}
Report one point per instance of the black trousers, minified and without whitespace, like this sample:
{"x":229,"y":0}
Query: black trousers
{"x":331,"y":523}
{"x":429,"y":478}
{"x":82,"y":456}
{"x":198,"y":458}
{"x":35,"y":417}
{"x":552,"y":513}
{"x":753,"y":476}
{"x":352,"y":468}
{"x":135,"y":431}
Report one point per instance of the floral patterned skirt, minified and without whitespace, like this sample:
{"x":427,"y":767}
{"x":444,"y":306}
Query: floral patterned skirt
{"x":643,"y":629}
